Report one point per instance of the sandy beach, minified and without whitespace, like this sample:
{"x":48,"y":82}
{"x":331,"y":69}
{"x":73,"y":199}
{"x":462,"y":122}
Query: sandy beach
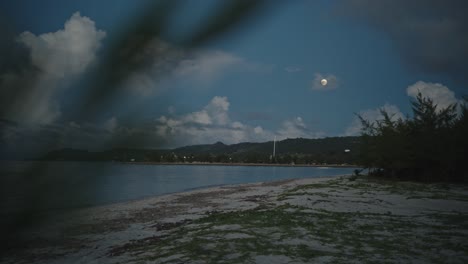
{"x":318,"y":220}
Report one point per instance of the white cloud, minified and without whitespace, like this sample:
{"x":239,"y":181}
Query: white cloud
{"x":440,"y":94}
{"x":237,"y":125}
{"x":296,"y":128}
{"x":213,"y":123}
{"x":207,"y":65}
{"x":332,"y":82}
{"x":58,"y":56}
{"x":372,"y":115}
{"x":215,"y":113}
{"x":258,"y":130}
{"x":65,"y":52}
{"x":200,"y":117}
{"x":218,"y":109}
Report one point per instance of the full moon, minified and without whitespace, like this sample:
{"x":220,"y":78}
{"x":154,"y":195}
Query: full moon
{"x":324,"y":82}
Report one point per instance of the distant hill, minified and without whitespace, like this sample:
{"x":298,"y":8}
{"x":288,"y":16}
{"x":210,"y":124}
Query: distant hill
{"x":299,"y":151}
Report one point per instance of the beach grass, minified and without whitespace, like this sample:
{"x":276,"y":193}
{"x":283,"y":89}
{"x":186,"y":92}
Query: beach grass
{"x":304,"y":233}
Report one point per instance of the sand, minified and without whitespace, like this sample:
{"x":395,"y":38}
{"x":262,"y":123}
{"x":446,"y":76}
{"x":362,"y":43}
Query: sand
{"x":320,"y":220}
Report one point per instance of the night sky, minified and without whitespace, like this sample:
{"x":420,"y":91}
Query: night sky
{"x":256,"y":82}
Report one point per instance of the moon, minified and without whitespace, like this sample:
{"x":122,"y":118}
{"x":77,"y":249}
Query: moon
{"x":324,"y":82}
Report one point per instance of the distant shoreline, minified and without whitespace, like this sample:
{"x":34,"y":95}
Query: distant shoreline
{"x":200,"y":163}
{"x":241,"y":164}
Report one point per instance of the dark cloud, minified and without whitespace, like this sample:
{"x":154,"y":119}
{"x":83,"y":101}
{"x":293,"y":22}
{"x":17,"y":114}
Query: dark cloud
{"x":13,"y":56}
{"x":35,"y":67}
{"x":431,"y":35}
{"x":19,"y":141}
{"x":17,"y":73}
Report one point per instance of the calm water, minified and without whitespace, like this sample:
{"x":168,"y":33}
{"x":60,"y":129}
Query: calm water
{"x":64,"y":185}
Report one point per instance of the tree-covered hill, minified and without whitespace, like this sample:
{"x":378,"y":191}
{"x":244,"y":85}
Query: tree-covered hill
{"x":298,"y":151}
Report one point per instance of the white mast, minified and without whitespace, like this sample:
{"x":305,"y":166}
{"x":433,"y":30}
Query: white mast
{"x":274,"y":147}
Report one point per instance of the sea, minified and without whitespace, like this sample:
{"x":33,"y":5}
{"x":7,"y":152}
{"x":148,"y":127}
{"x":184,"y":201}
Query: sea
{"x":46,"y":186}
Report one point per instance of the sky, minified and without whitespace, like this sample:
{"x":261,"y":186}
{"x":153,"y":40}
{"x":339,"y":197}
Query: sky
{"x":255,"y":82}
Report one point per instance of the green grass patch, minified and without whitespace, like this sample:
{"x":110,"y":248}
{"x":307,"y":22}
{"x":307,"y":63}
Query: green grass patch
{"x":337,"y":235}
{"x":307,"y":235}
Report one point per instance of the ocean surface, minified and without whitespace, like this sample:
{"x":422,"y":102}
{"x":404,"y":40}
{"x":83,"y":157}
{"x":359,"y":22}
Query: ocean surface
{"x":68,"y":185}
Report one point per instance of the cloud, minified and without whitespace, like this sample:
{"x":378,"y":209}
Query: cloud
{"x":440,"y":94}
{"x":142,"y":84}
{"x":372,"y":115}
{"x":65,"y":52}
{"x":206,"y":125}
{"x":19,"y":140}
{"x":52,"y":61}
{"x":213,"y":123}
{"x":171,"y":63}
{"x":210,"y":124}
{"x":292,"y":69}
{"x":258,"y":130}
{"x":215,"y":113}
{"x":429,"y":34}
{"x":218,"y":110}
{"x":74,"y":124}
{"x":55,"y":59}
{"x":332,"y":82}
{"x":296,"y":128}
{"x":207,"y":65}
{"x":111,"y":124}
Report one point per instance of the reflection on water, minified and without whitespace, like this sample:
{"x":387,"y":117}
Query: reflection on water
{"x":103,"y":183}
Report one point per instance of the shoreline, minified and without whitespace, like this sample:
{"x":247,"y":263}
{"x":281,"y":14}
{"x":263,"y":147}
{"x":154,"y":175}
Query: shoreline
{"x":241,"y":164}
{"x":327,"y":219}
{"x":200,"y":163}
{"x":138,"y":203}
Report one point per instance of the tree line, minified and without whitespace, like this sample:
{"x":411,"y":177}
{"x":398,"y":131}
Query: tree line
{"x":288,"y":151}
{"x":257,"y":157}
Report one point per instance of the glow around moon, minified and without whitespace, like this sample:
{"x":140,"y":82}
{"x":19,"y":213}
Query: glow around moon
{"x":324,"y":82}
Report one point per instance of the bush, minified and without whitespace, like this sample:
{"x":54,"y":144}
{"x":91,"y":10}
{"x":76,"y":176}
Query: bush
{"x":430,"y":146}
